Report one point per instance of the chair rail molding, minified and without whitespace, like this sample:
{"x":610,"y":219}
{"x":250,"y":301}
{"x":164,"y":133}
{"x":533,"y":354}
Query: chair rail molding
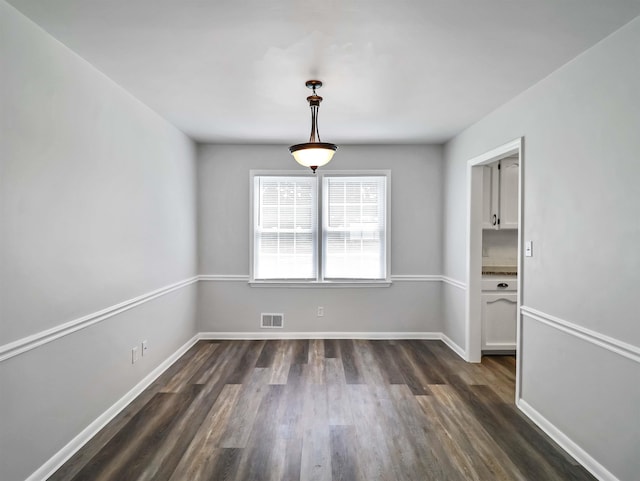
{"x":25,"y":344}
{"x":602,"y":340}
{"x":454,"y":282}
{"x":33,"y":341}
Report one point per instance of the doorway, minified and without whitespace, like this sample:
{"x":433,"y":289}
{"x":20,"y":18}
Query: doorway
{"x":476,"y":212}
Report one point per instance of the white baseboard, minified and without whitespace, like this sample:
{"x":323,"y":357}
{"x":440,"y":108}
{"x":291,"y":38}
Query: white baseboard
{"x":579,"y":454}
{"x":453,"y":346}
{"x":58,"y":459}
{"x":270,"y":334}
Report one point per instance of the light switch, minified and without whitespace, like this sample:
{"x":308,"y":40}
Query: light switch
{"x":528,"y":249}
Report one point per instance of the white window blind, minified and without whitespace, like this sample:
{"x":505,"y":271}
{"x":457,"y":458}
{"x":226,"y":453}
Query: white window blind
{"x":285,"y":227}
{"x":354,"y":227}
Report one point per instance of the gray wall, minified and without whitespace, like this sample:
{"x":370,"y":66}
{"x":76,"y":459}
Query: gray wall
{"x":97,"y":207}
{"x":581,"y":201}
{"x":416,"y":244}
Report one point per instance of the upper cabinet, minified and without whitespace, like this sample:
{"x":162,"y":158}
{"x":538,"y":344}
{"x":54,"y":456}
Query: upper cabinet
{"x":500,"y":195}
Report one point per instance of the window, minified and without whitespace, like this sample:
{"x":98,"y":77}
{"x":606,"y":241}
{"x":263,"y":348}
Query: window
{"x":330,"y":227}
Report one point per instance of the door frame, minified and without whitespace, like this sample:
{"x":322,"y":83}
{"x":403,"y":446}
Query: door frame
{"x":473,"y":308}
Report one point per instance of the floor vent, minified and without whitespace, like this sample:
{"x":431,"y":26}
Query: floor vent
{"x":272,"y":320}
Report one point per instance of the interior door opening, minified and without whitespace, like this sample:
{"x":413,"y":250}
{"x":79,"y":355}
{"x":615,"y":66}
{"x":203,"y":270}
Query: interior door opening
{"x":494,"y":249}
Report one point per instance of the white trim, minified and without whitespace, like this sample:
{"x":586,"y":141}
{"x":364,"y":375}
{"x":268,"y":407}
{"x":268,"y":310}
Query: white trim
{"x":453,"y":282}
{"x":566,"y":443}
{"x":62,"y":456}
{"x":346,"y":283}
{"x":499,"y":346}
{"x":224,"y":277}
{"x":38,"y":339}
{"x":609,"y":343}
{"x":257,"y":335}
{"x":20,"y":346}
{"x":498,"y":153}
{"x":416,"y":278}
{"x":453,"y":346}
{"x":321,"y":284}
{"x":394,"y":278}
{"x":473,"y":332}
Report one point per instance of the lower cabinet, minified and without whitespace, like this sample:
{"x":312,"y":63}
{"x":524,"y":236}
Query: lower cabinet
{"x":499,"y":319}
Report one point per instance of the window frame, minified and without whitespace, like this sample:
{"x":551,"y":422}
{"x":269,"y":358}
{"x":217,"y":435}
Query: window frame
{"x":320,"y":281}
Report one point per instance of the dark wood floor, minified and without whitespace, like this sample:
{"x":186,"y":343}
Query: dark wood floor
{"x":324,"y":410}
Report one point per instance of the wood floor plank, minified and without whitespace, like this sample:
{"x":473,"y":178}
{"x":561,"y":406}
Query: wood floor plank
{"x":168,"y":455}
{"x":260,"y":458}
{"x":418,"y":437}
{"x":344,"y":458}
{"x":315,"y":368}
{"x":336,"y":385}
{"x":300,"y":351}
{"x":349,"y":364}
{"x":384,"y":357}
{"x":281,"y":363}
{"x":224,"y":366}
{"x":247,"y":362}
{"x":140,"y":435}
{"x":301,"y":410}
{"x":197,"y":463}
{"x":370,"y":370}
{"x":371,"y":445}
{"x":182,"y":377}
{"x":331,"y":348}
{"x":506,"y":436}
{"x":268,"y":353}
{"x":471,"y":439}
{"x":411,"y":370}
{"x":293,"y":459}
{"x":291,"y":423}
{"x":225,"y":467}
{"x":245,"y":411}
{"x":315,"y":464}
{"x":221,"y":350}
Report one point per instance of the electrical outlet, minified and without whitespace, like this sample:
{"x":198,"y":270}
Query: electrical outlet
{"x":135,"y":354}
{"x":145,"y":346}
{"x":320,"y":311}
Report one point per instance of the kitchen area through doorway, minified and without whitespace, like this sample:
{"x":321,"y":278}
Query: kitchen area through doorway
{"x":499,"y":285}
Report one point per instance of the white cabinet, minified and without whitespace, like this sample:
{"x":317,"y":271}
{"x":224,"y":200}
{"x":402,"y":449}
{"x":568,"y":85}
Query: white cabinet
{"x":500,"y":194}
{"x":508,"y":213}
{"x":490,"y":196}
{"x":499,"y":315}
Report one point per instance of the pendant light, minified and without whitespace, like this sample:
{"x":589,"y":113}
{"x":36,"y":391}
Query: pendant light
{"x":315,"y":153}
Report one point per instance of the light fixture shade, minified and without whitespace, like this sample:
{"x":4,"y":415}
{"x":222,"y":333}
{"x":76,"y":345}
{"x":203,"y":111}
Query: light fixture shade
{"x":313,"y":154}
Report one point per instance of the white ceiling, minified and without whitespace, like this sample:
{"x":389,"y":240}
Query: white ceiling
{"x":411,"y":71}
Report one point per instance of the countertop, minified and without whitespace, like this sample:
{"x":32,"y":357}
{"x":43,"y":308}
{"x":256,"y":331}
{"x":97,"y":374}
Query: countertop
{"x":499,"y":270}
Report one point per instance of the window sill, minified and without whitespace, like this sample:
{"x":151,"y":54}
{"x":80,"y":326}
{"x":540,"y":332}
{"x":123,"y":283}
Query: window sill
{"x":321,"y":284}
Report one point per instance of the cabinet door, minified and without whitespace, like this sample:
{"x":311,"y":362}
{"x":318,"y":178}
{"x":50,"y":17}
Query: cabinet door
{"x":490,"y":196}
{"x":487,"y":205}
{"x":499,"y":321}
{"x":509,"y":169}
